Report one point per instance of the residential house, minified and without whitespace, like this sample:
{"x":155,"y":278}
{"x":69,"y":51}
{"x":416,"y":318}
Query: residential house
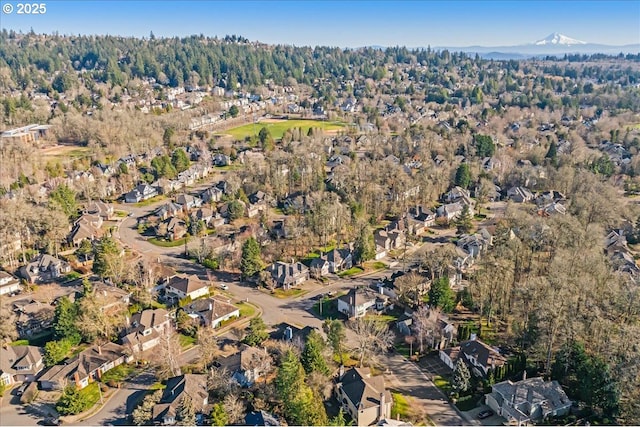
{"x":188,"y":202}
{"x":388,"y":239}
{"x":475,"y":244}
{"x":480,"y":357}
{"x":83,"y":369}
{"x":451,"y":211}
{"x":100,"y":208}
{"x":420,"y":219}
{"x":168,"y":210}
{"x":140,"y":193}
{"x":363,"y":396}
{"x":145,"y":329}
{"x":261,"y":418}
{"x":457,"y":194}
{"x":291,"y":333}
{"x":248,"y":365}
{"x":221,"y":160}
{"x":176,"y":228}
{"x":548,"y":197}
{"x":9,"y":284}
{"x":44,"y":268}
{"x":360,"y":299}
{"x":33,"y":317}
{"x":110,"y":298}
{"x":211,"y":312}
{"x":20,"y":363}
{"x":183,"y":286}
{"x":334,"y":261}
{"x":531,"y":400}
{"x":490,"y":163}
{"x":193,"y":386}
{"x":555,"y":208}
{"x":287,"y":275}
{"x":442,"y":335}
{"x":212,"y":194}
{"x":203,"y":214}
{"x":86,"y":227}
{"x":519,"y":194}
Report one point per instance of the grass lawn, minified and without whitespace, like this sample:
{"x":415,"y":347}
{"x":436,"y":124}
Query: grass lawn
{"x":232,"y":167}
{"x":166,"y":243}
{"x":246,"y":310}
{"x":382,"y":317}
{"x":90,"y":395}
{"x":150,"y":201}
{"x":289,"y":293}
{"x":119,"y":373}
{"x":400,"y":406}
{"x":351,"y":272}
{"x":347,"y":359}
{"x":20,"y":342}
{"x":403,"y":349}
{"x":375,"y":265}
{"x":278,"y":128}
{"x":443,"y":384}
{"x":121,"y":214}
{"x":186,"y":341}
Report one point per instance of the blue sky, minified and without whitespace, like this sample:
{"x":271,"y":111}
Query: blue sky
{"x":343,"y":23}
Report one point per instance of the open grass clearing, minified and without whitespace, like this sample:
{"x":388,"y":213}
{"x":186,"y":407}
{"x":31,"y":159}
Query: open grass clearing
{"x":288,"y":293}
{"x":277,"y":128}
{"x":166,"y":243}
{"x":350,"y":272}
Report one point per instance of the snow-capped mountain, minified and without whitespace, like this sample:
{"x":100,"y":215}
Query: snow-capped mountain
{"x":558,"y":39}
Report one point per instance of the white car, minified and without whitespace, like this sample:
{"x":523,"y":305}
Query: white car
{"x":224,"y":287}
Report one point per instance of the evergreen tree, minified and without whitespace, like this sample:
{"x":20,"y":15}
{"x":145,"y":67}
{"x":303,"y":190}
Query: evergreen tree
{"x":64,"y":198}
{"x":364,"y":246}
{"x":103,"y":254}
{"x":463,"y":221}
{"x":336,"y":334}
{"x":257,"y":332}
{"x":234,"y":111}
{"x":180,"y":161}
{"x":64,"y":323}
{"x":463,"y":176}
{"x":219,"y":415}
{"x":461,"y":381}
{"x":250,"y":263}
{"x":441,"y":295}
{"x":312,"y":358}
{"x":186,"y":412}
{"x":552,"y":153}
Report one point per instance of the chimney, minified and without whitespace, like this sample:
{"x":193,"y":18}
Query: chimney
{"x":524,"y":375}
{"x":99,"y":349}
{"x":341,"y":372}
{"x":383,"y":407}
{"x":210,"y":306}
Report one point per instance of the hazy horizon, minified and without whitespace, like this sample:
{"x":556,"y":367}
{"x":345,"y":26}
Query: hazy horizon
{"x":343,"y":24}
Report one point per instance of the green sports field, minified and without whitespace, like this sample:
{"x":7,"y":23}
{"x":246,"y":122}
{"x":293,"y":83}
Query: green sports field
{"x":279,"y":127}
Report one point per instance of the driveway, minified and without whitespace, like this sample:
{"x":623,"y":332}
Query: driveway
{"x":121,"y":403}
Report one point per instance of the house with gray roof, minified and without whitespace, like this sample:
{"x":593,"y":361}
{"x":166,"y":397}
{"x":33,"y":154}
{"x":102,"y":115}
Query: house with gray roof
{"x":192,"y":386}
{"x":19,"y":363}
{"x":529,"y":400}
{"x":287,"y":275}
{"x":145,"y":329}
{"x":211,"y":312}
{"x":480,"y":357}
{"x":45,"y":268}
{"x":363,"y":396}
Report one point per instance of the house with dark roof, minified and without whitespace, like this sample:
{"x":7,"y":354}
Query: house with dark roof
{"x":420,"y":219}
{"x":531,"y":400}
{"x":145,"y":329}
{"x":33,"y":317}
{"x":363,"y":396}
{"x":87,"y":227}
{"x":248,"y":365}
{"x":519,"y":194}
{"x":261,"y":418}
{"x":182,"y":286}
{"x":211,"y":312}
{"x":100,"y":208}
{"x":168,"y":210}
{"x":45,"y":268}
{"x":480,"y":357}
{"x":193,"y":386}
{"x":287,"y":275}
{"x":360,"y":299}
{"x":19,"y":363}
{"x":188,"y":202}
{"x":139,"y":193}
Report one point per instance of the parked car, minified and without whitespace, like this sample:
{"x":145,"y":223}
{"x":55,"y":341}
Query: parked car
{"x":485,"y":414}
{"x":51,"y":421}
{"x":224,"y":287}
{"x":21,"y":389}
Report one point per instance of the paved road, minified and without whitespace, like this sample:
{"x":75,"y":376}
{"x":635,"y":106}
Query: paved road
{"x":12,"y":413}
{"x":403,"y":376}
{"x":121,"y":403}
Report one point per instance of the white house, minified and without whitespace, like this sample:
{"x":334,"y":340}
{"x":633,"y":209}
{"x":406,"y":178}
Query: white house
{"x":9,"y":284}
{"x":183,"y":286}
